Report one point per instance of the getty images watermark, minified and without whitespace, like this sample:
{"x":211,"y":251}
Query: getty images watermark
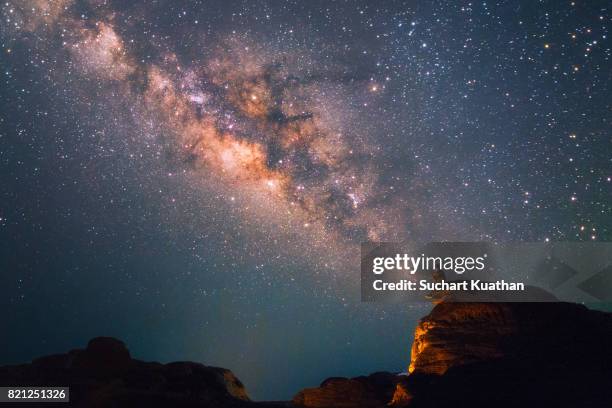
{"x":479,"y":271}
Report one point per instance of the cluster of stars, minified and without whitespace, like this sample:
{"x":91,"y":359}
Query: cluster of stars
{"x":240,"y":132}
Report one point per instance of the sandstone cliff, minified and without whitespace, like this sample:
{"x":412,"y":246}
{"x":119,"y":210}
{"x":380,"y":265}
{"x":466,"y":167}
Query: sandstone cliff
{"x":457,"y":334}
{"x":510,"y":354}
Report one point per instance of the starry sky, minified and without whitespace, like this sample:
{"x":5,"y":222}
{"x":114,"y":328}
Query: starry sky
{"x":195,"y":177}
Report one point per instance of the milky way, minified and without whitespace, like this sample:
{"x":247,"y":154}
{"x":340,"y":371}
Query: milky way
{"x":212,"y":167}
{"x":269,"y":124}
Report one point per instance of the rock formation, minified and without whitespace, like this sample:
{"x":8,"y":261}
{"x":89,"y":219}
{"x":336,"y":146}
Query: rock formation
{"x":105,"y":375}
{"x":510,"y":354}
{"x":492,"y":355}
{"x":464,"y":354}
{"x":374,"y":390}
{"x":458,"y":334}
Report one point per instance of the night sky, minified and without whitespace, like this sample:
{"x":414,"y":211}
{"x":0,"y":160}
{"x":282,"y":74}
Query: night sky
{"x":195,"y":177}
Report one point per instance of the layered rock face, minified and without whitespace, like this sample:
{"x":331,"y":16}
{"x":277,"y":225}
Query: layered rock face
{"x":457,"y":334}
{"x":510,"y":354}
{"x":105,"y":375}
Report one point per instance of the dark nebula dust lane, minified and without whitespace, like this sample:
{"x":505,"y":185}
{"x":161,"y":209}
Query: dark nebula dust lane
{"x":205,"y":170}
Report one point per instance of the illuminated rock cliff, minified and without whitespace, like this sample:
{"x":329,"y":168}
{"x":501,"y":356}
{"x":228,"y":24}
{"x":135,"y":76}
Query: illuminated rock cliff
{"x":509,"y":354}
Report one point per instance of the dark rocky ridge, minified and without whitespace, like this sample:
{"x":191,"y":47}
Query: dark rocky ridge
{"x":464,"y":354}
{"x":105,"y":375}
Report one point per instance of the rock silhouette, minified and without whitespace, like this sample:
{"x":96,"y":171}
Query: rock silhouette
{"x":104,"y":375}
{"x":464,"y":354}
